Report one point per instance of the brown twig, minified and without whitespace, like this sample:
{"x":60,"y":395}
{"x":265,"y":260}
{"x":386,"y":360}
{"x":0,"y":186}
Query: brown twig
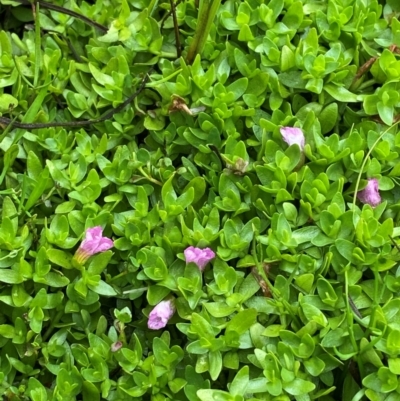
{"x":56,"y":98}
{"x":369,"y":63}
{"x":364,"y":68}
{"x":377,"y":119}
{"x":176,"y":30}
{"x":394,"y":49}
{"x":75,"y":54}
{"x":394,"y":243}
{"x":82,"y":123}
{"x":34,"y":11}
{"x":49,"y":6}
{"x":168,"y":14}
{"x":263,"y":285}
{"x":354,"y":308}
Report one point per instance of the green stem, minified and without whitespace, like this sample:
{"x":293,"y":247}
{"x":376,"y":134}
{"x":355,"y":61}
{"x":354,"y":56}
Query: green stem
{"x":275,"y":294}
{"x":124,"y":273}
{"x":149,"y":177}
{"x":152,"y":6}
{"x":21,"y":74}
{"x":176,"y":30}
{"x":166,"y":79}
{"x":50,"y":194}
{"x":122,"y":336}
{"x":366,"y":84}
{"x":349,"y":313}
{"x":165,"y":54}
{"x":341,"y":355}
{"x":366,"y":159}
{"x":38,"y":45}
{"x":372,"y":343}
{"x":133,"y":290}
{"x":296,"y":287}
{"x":54,"y":321}
{"x":374,"y":304}
{"x":207,"y":11}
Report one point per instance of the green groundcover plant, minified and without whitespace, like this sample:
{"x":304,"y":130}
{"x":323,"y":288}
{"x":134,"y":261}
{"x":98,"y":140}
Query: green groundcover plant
{"x":200,"y":200}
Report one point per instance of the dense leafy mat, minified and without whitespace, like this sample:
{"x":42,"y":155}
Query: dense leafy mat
{"x":269,"y":251}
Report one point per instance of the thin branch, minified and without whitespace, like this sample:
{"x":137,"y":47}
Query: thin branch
{"x":75,"y":54}
{"x":394,"y":243}
{"x":176,"y":30}
{"x":49,"y":6}
{"x":168,"y":14}
{"x":364,"y":68}
{"x":354,"y":308}
{"x":377,"y":119}
{"x":34,"y":11}
{"x":261,"y":282}
{"x":369,"y":63}
{"x":82,"y":123}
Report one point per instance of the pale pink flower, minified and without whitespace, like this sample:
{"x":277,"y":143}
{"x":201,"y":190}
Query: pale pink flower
{"x":293,"y":135}
{"x":93,"y":243}
{"x":161,"y":313}
{"x":370,"y":194}
{"x":116,"y":346}
{"x":199,"y":256}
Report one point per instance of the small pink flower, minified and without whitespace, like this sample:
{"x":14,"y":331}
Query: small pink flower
{"x":161,"y":313}
{"x":293,"y":135}
{"x":93,"y":243}
{"x":370,"y":194}
{"x":116,"y":346}
{"x":199,"y":256}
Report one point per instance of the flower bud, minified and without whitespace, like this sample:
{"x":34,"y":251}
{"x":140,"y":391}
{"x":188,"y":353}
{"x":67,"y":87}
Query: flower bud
{"x":161,"y":313}
{"x":199,"y":256}
{"x":293,"y":135}
{"x":93,"y":243}
{"x":370,"y":194}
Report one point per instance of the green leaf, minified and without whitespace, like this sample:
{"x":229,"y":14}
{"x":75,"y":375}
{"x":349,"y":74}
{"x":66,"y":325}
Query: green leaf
{"x":102,"y":288}
{"x":328,"y":117}
{"x":90,"y":392}
{"x":314,"y":314}
{"x":240,"y":382}
{"x":394,"y":4}
{"x":342,"y":94}
{"x":299,"y":387}
{"x":242,"y":321}
{"x":214,"y":395}
{"x":10,"y":276}
{"x":7,"y":102}
{"x":238,"y":87}
{"x":7,"y":331}
{"x":60,"y":258}
{"x":215,"y":361}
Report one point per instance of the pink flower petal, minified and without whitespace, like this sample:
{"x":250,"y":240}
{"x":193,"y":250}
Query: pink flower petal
{"x":94,"y":233}
{"x":370,"y":194}
{"x":93,"y":243}
{"x":104,"y":245}
{"x":190,"y":254}
{"x":292,"y":136}
{"x":199,"y":256}
{"x":161,"y":313}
